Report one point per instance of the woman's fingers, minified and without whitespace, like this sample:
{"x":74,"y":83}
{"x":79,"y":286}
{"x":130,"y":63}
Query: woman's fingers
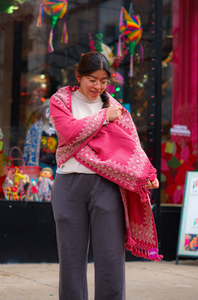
{"x":149,"y":186}
{"x":152,"y":185}
{"x":156,"y":183}
{"x":114,"y":113}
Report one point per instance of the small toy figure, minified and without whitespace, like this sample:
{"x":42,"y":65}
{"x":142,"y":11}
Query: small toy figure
{"x":34,"y":191}
{"x":26,"y":184}
{"x":7,"y":186}
{"x":17,"y":176}
{"x":45,"y":182}
{"x":12,"y":192}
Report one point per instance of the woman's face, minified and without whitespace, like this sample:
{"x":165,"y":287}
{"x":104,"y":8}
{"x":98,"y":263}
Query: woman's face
{"x":94,"y":84}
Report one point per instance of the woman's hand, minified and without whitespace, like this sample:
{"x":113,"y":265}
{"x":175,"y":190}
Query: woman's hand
{"x":114,"y":113}
{"x":152,"y":185}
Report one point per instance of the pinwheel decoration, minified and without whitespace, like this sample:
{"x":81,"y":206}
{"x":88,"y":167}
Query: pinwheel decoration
{"x":131,"y":33}
{"x":56,"y":9}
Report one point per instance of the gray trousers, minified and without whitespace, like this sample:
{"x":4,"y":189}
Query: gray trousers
{"x":80,"y":201}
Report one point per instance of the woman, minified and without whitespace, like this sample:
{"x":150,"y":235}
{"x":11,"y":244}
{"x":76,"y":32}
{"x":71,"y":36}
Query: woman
{"x":101,"y":166}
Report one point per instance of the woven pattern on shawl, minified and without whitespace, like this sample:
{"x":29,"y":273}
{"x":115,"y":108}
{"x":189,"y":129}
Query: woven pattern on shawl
{"x":140,"y":234}
{"x":73,"y":134}
{"x":116,"y":154}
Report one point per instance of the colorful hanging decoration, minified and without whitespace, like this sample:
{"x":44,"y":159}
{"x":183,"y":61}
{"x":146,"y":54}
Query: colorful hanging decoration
{"x":91,"y":43}
{"x":108,"y":53}
{"x":118,"y":79}
{"x":119,"y":59}
{"x":99,"y":42}
{"x":131,"y":33}
{"x":101,"y":47}
{"x":56,"y":9}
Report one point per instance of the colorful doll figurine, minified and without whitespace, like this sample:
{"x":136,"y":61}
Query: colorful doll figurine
{"x":45,"y":182}
{"x":7,"y":187}
{"x":17,"y":176}
{"x":34,"y":191}
{"x":25,"y":192}
{"x":12,"y":190}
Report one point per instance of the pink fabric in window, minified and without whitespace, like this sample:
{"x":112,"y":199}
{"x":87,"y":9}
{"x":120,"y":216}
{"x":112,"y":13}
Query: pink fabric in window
{"x":185,"y":70}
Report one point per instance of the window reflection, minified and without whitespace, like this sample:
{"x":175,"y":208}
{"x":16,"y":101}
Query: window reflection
{"x":179,"y":98}
{"x":30,"y":74}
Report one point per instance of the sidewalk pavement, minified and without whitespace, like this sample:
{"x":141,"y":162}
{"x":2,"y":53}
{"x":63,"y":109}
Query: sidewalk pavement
{"x":145,"y":280}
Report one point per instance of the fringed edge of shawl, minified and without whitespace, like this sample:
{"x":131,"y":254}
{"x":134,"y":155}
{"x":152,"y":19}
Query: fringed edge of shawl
{"x":143,"y":191}
{"x":137,"y":249}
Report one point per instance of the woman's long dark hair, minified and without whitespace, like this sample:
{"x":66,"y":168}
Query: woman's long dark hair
{"x":93,"y":61}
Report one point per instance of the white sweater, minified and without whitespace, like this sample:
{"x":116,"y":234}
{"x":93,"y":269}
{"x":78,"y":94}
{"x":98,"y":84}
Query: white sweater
{"x":81,"y":107}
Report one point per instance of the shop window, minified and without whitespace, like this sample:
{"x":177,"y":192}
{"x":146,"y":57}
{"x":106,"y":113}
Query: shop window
{"x":30,"y":75}
{"x":179,"y":97}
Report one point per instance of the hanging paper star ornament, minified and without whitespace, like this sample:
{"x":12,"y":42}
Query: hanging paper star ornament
{"x":131,"y":33}
{"x":56,"y":9}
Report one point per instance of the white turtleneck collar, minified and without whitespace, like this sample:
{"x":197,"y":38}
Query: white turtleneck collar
{"x":83,"y":107}
{"x":83,"y":98}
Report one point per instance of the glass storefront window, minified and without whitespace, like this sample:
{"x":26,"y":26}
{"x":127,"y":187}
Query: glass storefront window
{"x":30,"y":74}
{"x":179,"y":97}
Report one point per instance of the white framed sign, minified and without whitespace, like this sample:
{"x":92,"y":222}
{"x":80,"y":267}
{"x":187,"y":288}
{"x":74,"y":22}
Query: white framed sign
{"x":188,"y":233}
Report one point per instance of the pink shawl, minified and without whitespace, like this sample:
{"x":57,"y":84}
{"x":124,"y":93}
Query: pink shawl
{"x":114,"y":152}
